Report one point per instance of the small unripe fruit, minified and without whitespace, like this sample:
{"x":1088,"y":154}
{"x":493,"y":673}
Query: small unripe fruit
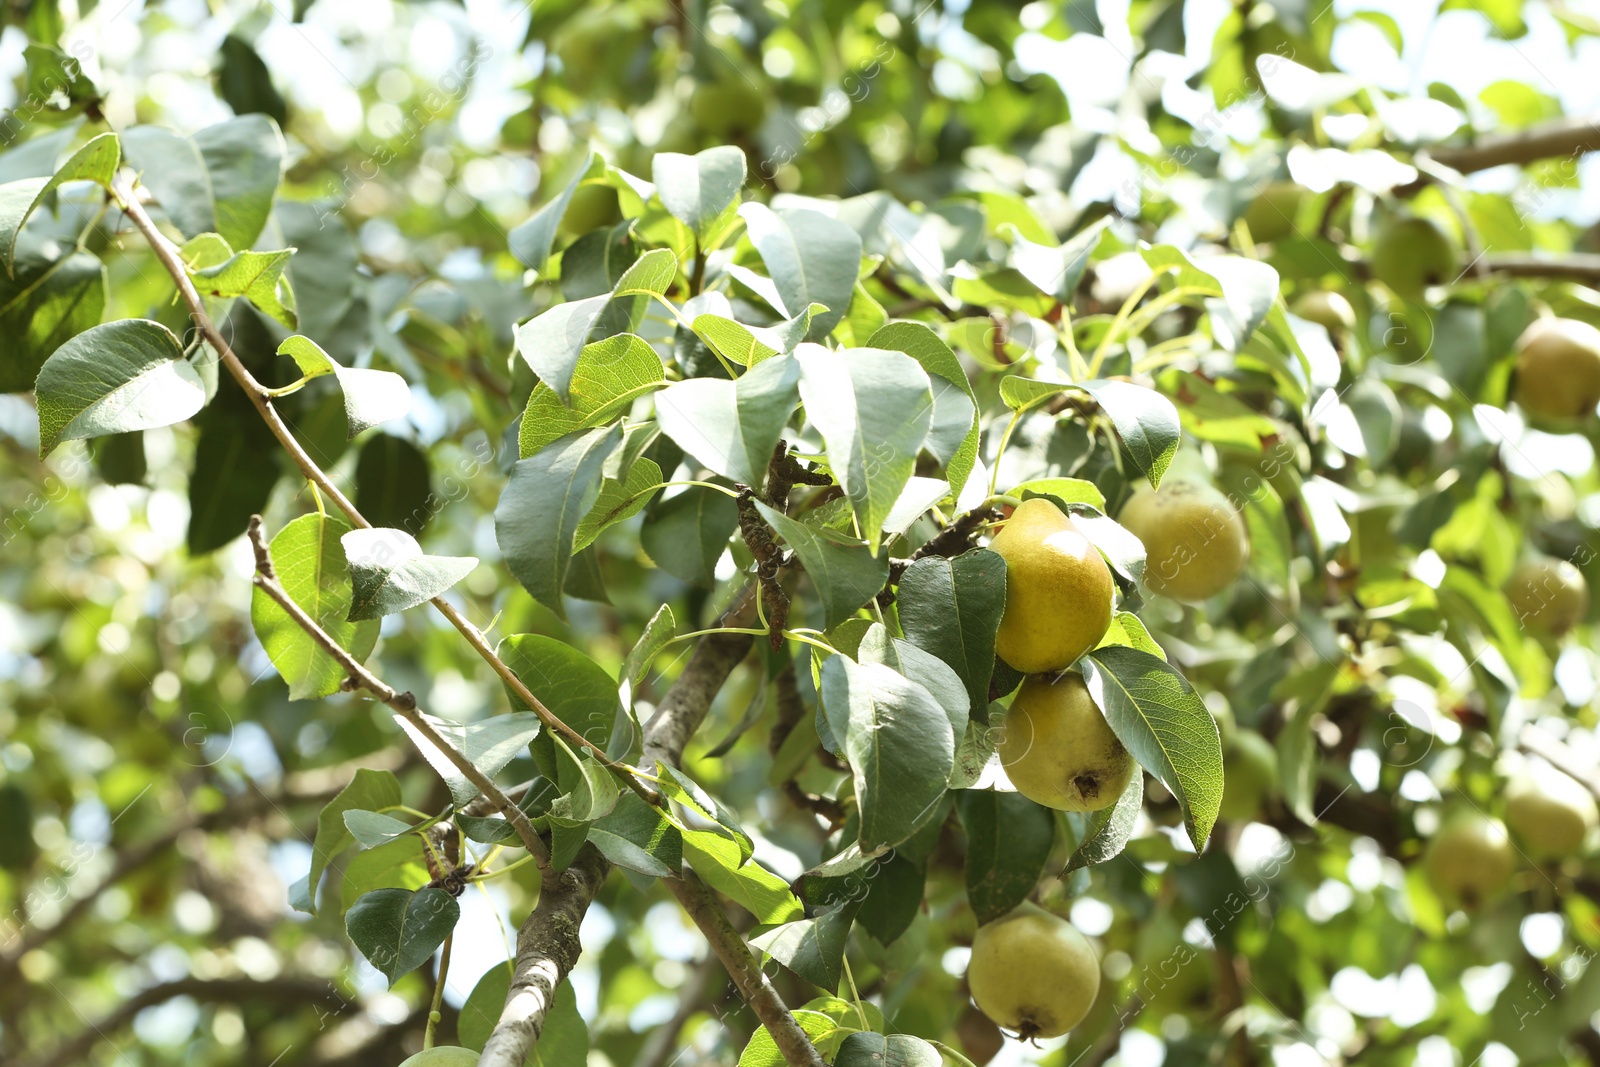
{"x":1552,"y":815}
{"x":1549,"y":595}
{"x":1411,"y":254}
{"x":1271,"y":215}
{"x":1033,"y":973}
{"x":1558,"y":369}
{"x":443,"y":1056}
{"x":1195,"y":542}
{"x":1058,"y":750}
{"x":1327,"y":309}
{"x":1058,"y":590}
{"x":1469,"y":859}
{"x":1249,"y":774}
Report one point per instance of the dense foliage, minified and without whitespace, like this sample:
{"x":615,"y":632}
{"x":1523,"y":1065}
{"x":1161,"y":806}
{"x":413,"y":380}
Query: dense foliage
{"x":732,"y":379}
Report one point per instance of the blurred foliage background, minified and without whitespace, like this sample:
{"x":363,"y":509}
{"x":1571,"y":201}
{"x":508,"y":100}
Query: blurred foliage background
{"x":157,"y":788}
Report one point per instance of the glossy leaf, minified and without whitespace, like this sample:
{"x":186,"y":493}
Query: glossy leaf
{"x":811,"y":259}
{"x":952,"y":608}
{"x":311,"y":567}
{"x":732,"y":427}
{"x":1110,"y":828}
{"x":488,"y":744}
{"x":843,"y":571}
{"x":370,"y":396}
{"x":1009,"y":838}
{"x":398,"y":931}
{"x":1156,"y":713}
{"x":389,"y":572}
{"x":125,"y":375}
{"x":811,"y":948}
{"x":96,"y":161}
{"x":368,"y":790}
{"x":701,"y":191}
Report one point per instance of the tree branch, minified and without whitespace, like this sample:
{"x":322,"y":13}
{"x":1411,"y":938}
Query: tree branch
{"x":403,"y":704}
{"x":1566,"y":137}
{"x":1573,"y":267}
{"x":127,"y":197}
{"x":545,"y":951}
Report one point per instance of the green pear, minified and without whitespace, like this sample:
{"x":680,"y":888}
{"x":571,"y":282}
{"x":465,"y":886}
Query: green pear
{"x":1271,"y":215}
{"x":1469,"y":859}
{"x":1033,"y":972}
{"x":1195,"y":541}
{"x":1551,"y":815}
{"x":1058,"y":749}
{"x":1327,"y":309}
{"x":1411,"y":254}
{"x":1558,"y":369}
{"x":1549,"y":595}
{"x":1058,"y":589}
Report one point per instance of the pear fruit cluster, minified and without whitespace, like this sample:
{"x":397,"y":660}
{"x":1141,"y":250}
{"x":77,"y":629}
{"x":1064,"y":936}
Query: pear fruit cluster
{"x":1195,"y":541}
{"x":1033,"y":972}
{"x":1558,"y":369}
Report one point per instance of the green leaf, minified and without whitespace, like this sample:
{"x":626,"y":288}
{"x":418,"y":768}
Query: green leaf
{"x":126,"y":375}
{"x":368,"y":790}
{"x":1126,"y":630}
{"x":894,"y":896}
{"x":1146,"y":421}
{"x":1110,"y":828}
{"x":370,"y":396}
{"x":923,"y":345}
{"x":684,"y":790}
{"x":762,"y":1050}
{"x":222,"y":180}
{"x":245,"y":83}
{"x":687,"y":533}
{"x":46,"y":303}
{"x":639,"y":838}
{"x":255,"y":276}
{"x":843,"y":570}
{"x":749,"y":345}
{"x":658,"y":633}
{"x":952,"y":608}
{"x":311,"y":568}
{"x":96,"y":161}
{"x":564,"y":1041}
{"x":400,"y":864}
{"x":531,"y":241}
{"x":547,"y":497}
{"x":701,"y":191}
{"x":811,"y":259}
{"x":811,"y":948}
{"x":571,"y":686}
{"x":389,"y":572}
{"x":897,"y":1050}
{"x":1156,"y":713}
{"x":898,"y":741}
{"x":588,"y":789}
{"x":754,"y":888}
{"x":235,"y":468}
{"x":397,"y":930}
{"x":732,"y":427}
{"x":873,"y":408}
{"x":488,"y":744}
{"x":618,"y":500}
{"x":931,"y":672}
{"x":373,"y":828}
{"x":1056,"y":271}
{"x":607,"y":378}
{"x":392,"y":483}
{"x":1009,"y":838}
{"x":1066,"y":490}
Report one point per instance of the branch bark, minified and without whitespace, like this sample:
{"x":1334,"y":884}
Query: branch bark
{"x":1567,"y":137}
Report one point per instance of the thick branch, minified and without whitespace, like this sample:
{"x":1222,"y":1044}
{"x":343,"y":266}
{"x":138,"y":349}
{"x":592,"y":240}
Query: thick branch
{"x":128,"y":198}
{"x":1567,"y":137}
{"x":403,"y":704}
{"x":1573,"y":267}
{"x":545,"y":955}
{"x":285,"y":992}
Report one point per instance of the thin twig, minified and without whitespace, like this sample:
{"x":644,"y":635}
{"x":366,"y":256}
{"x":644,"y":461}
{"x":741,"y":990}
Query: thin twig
{"x":403,"y":704}
{"x":128,"y":199}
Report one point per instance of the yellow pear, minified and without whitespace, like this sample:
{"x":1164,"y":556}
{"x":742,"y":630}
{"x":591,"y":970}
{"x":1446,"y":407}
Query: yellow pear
{"x":1058,"y":590}
{"x":1057,"y":748}
{"x":1469,"y":859}
{"x":1551,"y":815}
{"x":1548,"y":595}
{"x":1033,"y":972}
{"x":1558,"y":369}
{"x":1195,"y":542}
